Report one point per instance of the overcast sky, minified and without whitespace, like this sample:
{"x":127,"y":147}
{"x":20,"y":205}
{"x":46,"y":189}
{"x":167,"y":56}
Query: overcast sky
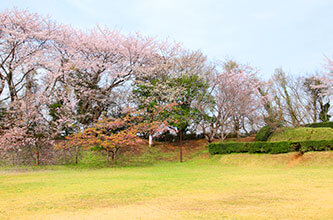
{"x":293,"y":34}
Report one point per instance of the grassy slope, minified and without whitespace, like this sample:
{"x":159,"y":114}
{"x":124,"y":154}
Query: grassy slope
{"x":233,"y":186}
{"x":302,"y":134}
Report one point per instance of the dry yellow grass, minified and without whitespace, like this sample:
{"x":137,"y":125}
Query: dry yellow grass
{"x":238,"y":186}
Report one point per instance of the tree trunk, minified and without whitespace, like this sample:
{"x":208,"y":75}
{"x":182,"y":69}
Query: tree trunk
{"x":11,"y":87}
{"x":108,"y":155}
{"x":76,"y":154}
{"x":150,"y":140}
{"x":236,"y":127}
{"x":222,"y":135}
{"x":37,"y":158}
{"x":209,"y":136}
{"x":114,"y":154}
{"x":13,"y":159}
{"x":244,"y":128}
{"x":2,"y":83}
{"x":314,"y":110}
{"x":180,"y":146}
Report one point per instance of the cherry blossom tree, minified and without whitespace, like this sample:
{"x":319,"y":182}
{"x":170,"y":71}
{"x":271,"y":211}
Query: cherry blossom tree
{"x":75,"y":73}
{"x":326,"y":88}
{"x":327,"y":79}
{"x":24,"y":41}
{"x":236,"y":97}
{"x":27,"y":127}
{"x":92,"y":64}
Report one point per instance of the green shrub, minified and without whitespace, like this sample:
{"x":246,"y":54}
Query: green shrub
{"x":263,"y":134}
{"x":279,"y":147}
{"x":270,"y":147}
{"x":227,"y":147}
{"x":255,"y":147}
{"x":235,"y":147}
{"x":213,"y":148}
{"x":323,"y":145}
{"x":328,"y":124}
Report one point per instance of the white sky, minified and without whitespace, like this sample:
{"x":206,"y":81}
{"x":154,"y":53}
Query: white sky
{"x":293,"y":34}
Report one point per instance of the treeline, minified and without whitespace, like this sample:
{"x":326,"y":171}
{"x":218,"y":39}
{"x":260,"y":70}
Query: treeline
{"x":63,"y":90}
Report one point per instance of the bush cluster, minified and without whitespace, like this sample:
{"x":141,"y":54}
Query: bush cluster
{"x":270,"y":147}
{"x":328,"y":124}
{"x":264,"y":133}
{"x":168,"y":137}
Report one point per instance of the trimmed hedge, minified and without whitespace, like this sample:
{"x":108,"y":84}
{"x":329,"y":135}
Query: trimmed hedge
{"x":328,"y":124}
{"x":323,"y":145}
{"x":264,"y":133}
{"x":270,"y":147}
{"x":227,"y":148}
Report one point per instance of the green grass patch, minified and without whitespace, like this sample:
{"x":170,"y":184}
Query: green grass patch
{"x":302,"y":134}
{"x":328,"y":124}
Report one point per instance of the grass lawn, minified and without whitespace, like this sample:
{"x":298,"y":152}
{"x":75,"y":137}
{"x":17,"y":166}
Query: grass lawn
{"x":302,"y":134}
{"x":237,"y":186}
